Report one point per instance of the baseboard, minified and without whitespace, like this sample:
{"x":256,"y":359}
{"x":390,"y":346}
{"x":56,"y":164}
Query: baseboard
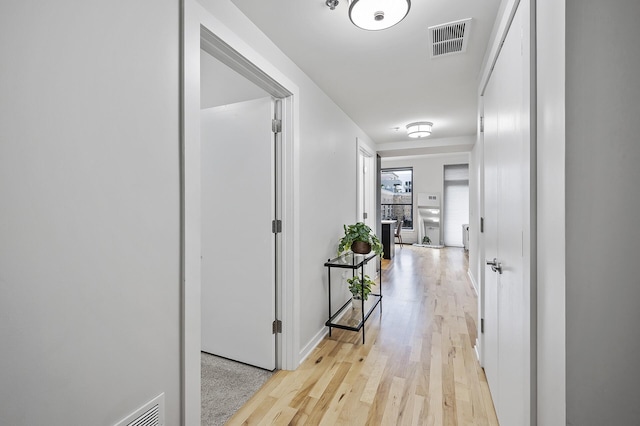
{"x":475,"y":348}
{"x":434,"y":246}
{"x":315,"y":341}
{"x":473,"y":282}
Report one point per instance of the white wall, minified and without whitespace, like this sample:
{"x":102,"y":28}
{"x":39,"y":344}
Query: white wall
{"x":89,"y":228}
{"x":602,"y":204}
{"x":551,"y":212}
{"x":328,"y":157}
{"x":428,"y":176}
{"x":327,"y":164}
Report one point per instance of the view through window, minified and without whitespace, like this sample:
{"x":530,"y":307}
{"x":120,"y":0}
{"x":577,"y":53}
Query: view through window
{"x":396,"y":199}
{"x":456,"y":203}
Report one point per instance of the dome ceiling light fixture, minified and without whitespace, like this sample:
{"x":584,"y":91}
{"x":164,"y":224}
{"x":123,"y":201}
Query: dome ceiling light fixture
{"x":374,"y":15}
{"x":419,"y":129}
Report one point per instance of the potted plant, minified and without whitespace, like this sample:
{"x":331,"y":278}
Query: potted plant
{"x":359,"y":239}
{"x":360,"y":288}
{"x":426,"y":240}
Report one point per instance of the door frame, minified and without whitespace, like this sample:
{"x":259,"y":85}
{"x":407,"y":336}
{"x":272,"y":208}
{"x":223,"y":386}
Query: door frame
{"x":197,"y":23}
{"x":480,"y":258}
{"x":365,"y":192}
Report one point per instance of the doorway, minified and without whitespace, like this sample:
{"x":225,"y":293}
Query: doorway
{"x":225,"y":46}
{"x":241,"y":206}
{"x":366,"y":196}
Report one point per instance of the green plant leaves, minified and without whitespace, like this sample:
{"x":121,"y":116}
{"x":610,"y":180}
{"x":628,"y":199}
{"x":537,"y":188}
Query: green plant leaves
{"x":359,"y":232}
{"x":360,"y":287}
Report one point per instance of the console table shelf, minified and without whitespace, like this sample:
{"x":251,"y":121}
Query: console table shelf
{"x":354,"y":313}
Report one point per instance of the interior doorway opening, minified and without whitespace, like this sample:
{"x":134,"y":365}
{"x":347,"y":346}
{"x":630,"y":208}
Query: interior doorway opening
{"x":366,"y":194}
{"x":241,"y":128}
{"x":225,"y":47}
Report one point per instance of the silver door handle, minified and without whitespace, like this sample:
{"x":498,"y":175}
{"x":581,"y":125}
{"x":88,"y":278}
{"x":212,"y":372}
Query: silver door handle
{"x":495,"y":265}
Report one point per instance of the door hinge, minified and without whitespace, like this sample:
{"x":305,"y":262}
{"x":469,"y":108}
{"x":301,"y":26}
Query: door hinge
{"x":276,"y":326}
{"x":364,"y":215}
{"x":276,"y":226}
{"x":481,"y":224}
{"x":276,"y":125}
{"x":481,"y":325}
{"x":481,"y":124}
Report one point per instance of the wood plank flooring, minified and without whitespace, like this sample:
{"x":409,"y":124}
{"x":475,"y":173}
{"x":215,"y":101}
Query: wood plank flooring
{"x":418,"y":366}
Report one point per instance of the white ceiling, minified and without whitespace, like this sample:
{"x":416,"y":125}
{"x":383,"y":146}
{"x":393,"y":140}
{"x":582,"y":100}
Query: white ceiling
{"x":384,"y":79}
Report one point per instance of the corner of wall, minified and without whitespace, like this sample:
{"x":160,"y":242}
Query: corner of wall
{"x":311,"y":345}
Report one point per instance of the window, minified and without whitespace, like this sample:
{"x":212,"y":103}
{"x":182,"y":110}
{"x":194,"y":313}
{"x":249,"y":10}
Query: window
{"x":396,"y":195}
{"x":456,"y":203}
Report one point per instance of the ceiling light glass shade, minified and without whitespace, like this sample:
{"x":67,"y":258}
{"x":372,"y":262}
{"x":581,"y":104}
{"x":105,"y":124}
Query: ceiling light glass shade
{"x":419,"y":129}
{"x":377,"y":14}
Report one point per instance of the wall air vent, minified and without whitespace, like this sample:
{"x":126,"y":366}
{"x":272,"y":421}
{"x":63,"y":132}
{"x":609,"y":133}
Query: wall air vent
{"x":449,"y":39}
{"x":150,"y":414}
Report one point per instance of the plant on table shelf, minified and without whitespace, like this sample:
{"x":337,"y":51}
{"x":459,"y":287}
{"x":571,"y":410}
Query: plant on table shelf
{"x":426,"y":240}
{"x":360,"y":288}
{"x":359,"y":232}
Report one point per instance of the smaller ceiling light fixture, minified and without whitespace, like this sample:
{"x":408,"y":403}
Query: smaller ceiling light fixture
{"x":375,"y":15}
{"x":419,"y":129}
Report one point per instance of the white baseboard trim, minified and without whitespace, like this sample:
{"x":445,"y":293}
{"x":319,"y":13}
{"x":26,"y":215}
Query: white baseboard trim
{"x":304,"y":353}
{"x":475,"y":348}
{"x":473,"y":282}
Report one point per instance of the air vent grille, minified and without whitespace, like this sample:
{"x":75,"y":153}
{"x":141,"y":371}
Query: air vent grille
{"x":150,"y":414}
{"x":449,"y":39}
{"x":150,"y":418}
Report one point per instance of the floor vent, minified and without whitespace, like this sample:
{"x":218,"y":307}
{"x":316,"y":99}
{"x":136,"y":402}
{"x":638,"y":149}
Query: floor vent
{"x":449,"y":39}
{"x":150,"y":414}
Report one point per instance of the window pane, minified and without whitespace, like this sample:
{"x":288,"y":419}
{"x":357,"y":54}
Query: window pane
{"x":397,"y":195}
{"x":456,"y":203}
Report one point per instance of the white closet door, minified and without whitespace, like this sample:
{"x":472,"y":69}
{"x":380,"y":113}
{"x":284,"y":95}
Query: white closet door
{"x":507,"y":300}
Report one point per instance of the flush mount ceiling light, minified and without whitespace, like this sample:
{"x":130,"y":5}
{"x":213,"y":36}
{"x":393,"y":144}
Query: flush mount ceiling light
{"x":419,"y":129}
{"x":375,"y":15}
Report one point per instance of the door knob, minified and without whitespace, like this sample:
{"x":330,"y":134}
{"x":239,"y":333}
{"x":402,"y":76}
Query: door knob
{"x":495,"y":265}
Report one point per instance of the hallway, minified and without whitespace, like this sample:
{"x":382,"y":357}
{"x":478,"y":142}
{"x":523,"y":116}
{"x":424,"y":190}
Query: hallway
{"x":418,"y":366}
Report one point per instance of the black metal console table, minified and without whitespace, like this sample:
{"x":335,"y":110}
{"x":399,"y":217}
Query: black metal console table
{"x":350,"y":316}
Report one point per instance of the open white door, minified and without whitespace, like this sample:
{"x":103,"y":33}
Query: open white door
{"x":366,"y":181}
{"x":238,"y":245}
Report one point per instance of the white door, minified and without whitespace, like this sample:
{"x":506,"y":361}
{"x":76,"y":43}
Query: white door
{"x":507,"y":298}
{"x":366,"y":198}
{"x":238,"y":245}
{"x":365,"y":179}
{"x":491,"y":212}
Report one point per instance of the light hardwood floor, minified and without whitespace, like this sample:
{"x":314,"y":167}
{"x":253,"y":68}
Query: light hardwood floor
{"x":418,"y":366}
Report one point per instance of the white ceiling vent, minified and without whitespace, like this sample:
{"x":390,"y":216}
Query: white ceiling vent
{"x":449,"y":39}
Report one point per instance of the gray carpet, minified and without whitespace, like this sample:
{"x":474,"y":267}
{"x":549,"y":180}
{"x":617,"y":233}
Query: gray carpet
{"x":226,"y":386}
